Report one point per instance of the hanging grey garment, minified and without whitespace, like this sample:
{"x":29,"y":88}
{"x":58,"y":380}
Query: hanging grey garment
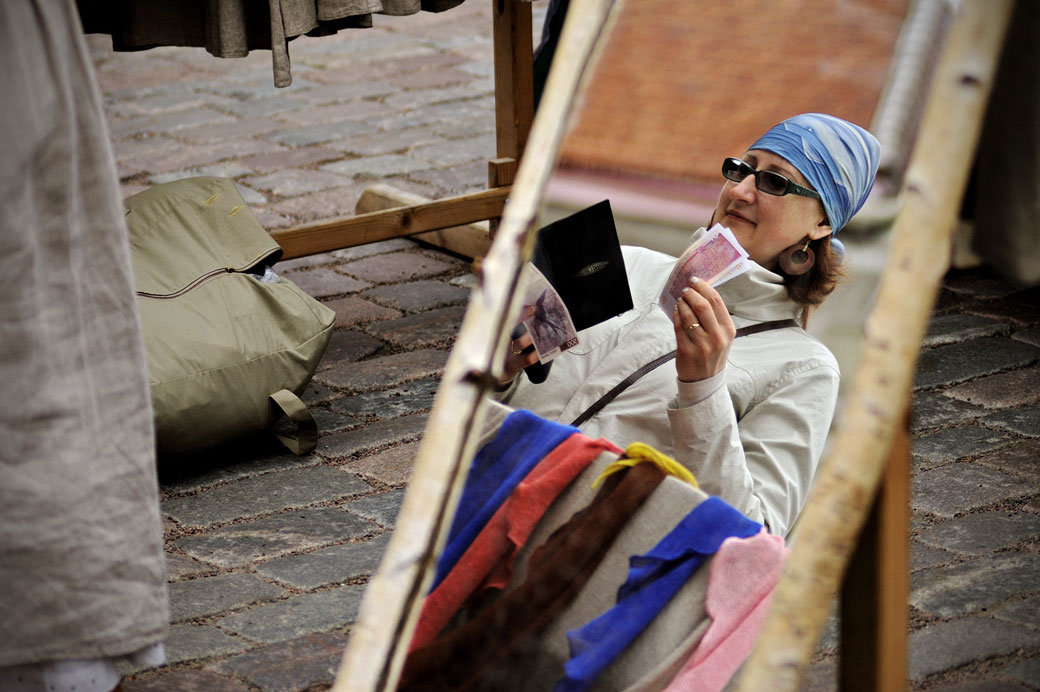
{"x":81,"y":559}
{"x":232,"y":28}
{"x":1007,"y":190}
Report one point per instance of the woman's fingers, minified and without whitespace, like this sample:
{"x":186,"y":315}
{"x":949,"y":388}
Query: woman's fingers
{"x":702,"y":349}
{"x":710,"y":309}
{"x":516,"y":359}
{"x":520,"y":343}
{"x":686,"y":318}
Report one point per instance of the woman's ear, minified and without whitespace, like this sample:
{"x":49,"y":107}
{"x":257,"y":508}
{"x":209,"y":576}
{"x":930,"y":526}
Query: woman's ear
{"x":823,"y":228}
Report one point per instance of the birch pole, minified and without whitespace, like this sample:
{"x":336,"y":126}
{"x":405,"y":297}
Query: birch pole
{"x":394,"y":596}
{"x":919,"y":256}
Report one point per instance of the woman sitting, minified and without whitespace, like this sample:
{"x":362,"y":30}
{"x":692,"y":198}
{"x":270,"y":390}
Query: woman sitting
{"x":748,"y":416}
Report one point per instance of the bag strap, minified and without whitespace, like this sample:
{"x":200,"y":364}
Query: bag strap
{"x":661,"y":360}
{"x":306,"y":440}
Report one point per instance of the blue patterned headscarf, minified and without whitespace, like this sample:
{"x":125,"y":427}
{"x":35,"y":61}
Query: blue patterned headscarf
{"x":838,"y":159}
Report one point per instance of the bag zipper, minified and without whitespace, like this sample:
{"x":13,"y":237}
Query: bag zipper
{"x":206,"y":277}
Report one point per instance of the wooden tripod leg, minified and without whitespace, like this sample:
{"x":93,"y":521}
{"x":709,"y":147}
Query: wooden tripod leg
{"x":514,"y":90}
{"x":875,"y":592}
{"x":514,"y":76}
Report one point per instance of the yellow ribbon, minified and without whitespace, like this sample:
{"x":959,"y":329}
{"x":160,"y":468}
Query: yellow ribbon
{"x":639,"y":452}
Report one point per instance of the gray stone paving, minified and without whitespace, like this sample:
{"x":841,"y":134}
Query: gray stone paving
{"x":975,"y":582}
{"x":268,"y":554}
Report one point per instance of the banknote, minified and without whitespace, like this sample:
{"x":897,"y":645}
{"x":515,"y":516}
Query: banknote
{"x":715,"y":258}
{"x":545,"y":316}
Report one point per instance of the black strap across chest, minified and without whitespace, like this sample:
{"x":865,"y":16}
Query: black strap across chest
{"x":661,"y":360}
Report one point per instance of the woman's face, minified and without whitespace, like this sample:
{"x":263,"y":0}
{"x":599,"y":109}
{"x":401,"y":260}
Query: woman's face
{"x":766,"y":224}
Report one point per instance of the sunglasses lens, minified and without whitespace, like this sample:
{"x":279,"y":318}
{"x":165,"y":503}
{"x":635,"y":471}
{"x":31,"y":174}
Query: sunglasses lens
{"x":735,"y":169}
{"x":772,"y":183}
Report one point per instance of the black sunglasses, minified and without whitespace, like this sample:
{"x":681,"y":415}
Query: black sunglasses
{"x":766,"y":181}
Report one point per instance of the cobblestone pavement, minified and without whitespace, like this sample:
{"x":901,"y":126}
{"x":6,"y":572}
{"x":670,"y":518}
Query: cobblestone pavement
{"x":268,"y":553}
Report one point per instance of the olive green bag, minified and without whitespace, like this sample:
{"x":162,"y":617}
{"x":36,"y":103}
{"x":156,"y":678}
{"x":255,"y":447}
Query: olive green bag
{"x":229,"y":349}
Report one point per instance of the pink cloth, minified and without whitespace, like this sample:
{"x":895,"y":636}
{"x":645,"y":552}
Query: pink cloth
{"x":741,"y":580}
{"x":488,"y":562}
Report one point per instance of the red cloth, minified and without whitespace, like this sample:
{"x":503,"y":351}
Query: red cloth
{"x":488,"y":562}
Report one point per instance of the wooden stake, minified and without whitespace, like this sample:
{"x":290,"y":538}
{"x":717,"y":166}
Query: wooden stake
{"x":380,"y":637}
{"x":876,"y":590}
{"x":919,"y":256}
{"x":514,"y":76}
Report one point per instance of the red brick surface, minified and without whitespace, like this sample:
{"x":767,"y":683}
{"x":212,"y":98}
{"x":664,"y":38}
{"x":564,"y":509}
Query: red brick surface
{"x":683,"y":84}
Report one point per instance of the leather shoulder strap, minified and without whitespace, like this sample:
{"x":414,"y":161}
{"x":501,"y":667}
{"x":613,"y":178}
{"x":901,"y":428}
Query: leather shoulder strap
{"x":661,"y":360}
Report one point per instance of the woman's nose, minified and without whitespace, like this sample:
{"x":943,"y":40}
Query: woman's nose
{"x":745,"y":189}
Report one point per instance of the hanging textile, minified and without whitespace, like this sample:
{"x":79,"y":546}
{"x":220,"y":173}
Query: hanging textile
{"x":81,"y":549}
{"x":741,"y":580}
{"x":471,"y":656}
{"x":488,"y":562}
{"x":522,"y":441}
{"x":232,"y":28}
{"x":652,"y":580}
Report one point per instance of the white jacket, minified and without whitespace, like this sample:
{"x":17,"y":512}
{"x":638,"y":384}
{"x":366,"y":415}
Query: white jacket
{"x":754,"y":443}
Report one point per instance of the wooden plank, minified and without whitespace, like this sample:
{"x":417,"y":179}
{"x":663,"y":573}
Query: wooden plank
{"x":514,"y":76}
{"x":390,"y":607}
{"x":919,"y":256}
{"x":471,"y":240}
{"x":392,"y":223}
{"x":874,"y":597}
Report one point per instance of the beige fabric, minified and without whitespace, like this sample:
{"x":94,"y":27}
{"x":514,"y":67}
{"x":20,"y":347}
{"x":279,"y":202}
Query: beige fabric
{"x":232,"y":28}
{"x":494,"y":415}
{"x":754,"y":442}
{"x":81,"y":560}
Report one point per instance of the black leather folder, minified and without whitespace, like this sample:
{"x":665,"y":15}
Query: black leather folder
{"x":580,"y":255}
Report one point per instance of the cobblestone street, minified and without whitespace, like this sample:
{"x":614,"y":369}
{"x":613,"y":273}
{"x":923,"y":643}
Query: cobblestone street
{"x":268,"y":553}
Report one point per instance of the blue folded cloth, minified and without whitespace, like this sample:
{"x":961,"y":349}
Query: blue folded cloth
{"x":652,"y":580}
{"x":522,"y":441}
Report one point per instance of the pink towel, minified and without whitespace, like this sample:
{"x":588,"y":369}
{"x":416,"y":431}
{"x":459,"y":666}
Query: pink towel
{"x":488,"y":562}
{"x":741,"y":580}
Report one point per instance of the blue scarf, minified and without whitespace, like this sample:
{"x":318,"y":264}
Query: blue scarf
{"x":838,"y":159}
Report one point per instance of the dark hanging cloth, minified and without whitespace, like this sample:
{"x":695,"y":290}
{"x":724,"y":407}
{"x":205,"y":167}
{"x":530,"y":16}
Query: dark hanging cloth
{"x":543,"y":54}
{"x":232,"y":28}
{"x":479,"y":654}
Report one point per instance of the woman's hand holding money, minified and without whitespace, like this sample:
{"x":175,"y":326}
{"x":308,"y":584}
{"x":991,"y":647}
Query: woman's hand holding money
{"x":516,"y":359}
{"x":703,"y":332}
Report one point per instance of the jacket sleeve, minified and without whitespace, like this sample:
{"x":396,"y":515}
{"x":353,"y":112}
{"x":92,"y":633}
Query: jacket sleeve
{"x":763,"y":463}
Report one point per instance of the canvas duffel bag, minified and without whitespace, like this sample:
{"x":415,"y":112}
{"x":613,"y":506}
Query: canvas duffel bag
{"x":228,"y":350}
